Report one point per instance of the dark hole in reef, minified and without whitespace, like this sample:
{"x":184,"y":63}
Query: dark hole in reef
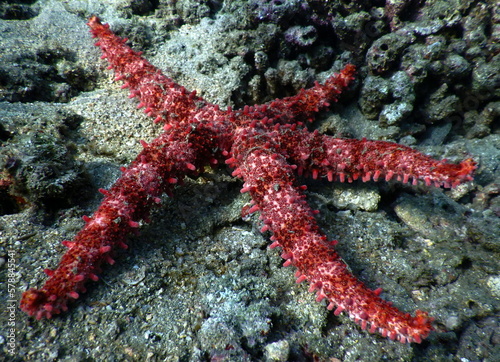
{"x":8,"y":204}
{"x":466,"y":263}
{"x":471,"y":304}
{"x":4,"y":134}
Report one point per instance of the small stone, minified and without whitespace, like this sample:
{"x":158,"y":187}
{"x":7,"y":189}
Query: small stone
{"x":452,"y":322}
{"x":364,"y":198}
{"x":277,"y":351}
{"x":494,"y":285}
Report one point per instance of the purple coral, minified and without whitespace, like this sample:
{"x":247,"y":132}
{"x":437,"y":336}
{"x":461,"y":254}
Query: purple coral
{"x":276,"y":10}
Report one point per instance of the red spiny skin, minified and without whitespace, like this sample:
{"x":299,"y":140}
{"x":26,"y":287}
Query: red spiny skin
{"x":125,"y":204}
{"x":162,"y":98}
{"x":265,"y":144}
{"x":268,"y":176}
{"x":290,"y":219}
{"x":350,"y":159}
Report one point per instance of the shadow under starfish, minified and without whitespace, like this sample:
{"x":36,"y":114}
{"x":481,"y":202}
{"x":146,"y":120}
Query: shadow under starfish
{"x":265,"y":145}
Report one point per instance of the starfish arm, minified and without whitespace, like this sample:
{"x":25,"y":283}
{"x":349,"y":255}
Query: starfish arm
{"x":160,"y":96}
{"x":269,"y":179}
{"x":304,"y":105}
{"x":202,"y":135}
{"x":351,"y":159}
{"x":125,"y":204}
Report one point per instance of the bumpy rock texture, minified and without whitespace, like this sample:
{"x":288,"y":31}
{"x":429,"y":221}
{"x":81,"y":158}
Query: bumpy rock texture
{"x":200,"y":283}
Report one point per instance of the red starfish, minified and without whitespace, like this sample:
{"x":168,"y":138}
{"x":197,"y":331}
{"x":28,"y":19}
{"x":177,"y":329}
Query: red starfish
{"x":264,"y":144}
